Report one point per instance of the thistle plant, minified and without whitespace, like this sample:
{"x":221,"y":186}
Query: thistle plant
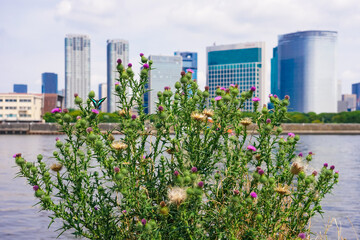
{"x":195,"y":169}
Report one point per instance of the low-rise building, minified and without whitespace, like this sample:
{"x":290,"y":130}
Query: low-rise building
{"x":21,"y":107}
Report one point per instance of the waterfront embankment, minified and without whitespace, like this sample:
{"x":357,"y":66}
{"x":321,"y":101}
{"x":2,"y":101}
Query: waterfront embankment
{"x":298,"y":128}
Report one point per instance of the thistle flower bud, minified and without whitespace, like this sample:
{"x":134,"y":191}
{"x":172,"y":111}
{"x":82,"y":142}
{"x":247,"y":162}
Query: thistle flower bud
{"x":253,"y":195}
{"x":176,"y":173}
{"x":194,"y":169}
{"x":200,"y":184}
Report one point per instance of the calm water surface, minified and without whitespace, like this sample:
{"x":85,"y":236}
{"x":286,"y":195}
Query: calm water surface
{"x":19,"y":219}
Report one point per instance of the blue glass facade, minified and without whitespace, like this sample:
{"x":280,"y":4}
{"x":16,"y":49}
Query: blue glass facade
{"x":49,"y":83}
{"x":20,"y":88}
{"x":356,"y":90}
{"x":306,"y":70}
{"x":241,"y":64}
{"x":189,"y":62}
{"x":275,"y":86}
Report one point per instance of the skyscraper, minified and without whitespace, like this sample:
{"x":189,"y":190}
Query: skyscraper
{"x":49,"y":83}
{"x":77,"y":67}
{"x":189,"y":61}
{"x":116,"y":49}
{"x":356,"y":90}
{"x":20,"y":88}
{"x":103,"y":93}
{"x":166,"y":72}
{"x":306,"y":70}
{"x":242,"y":64}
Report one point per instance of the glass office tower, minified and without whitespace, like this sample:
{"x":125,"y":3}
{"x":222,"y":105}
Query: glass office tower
{"x":242,"y":64}
{"x":49,"y":83}
{"x":306,"y":70}
{"x":356,"y":90}
{"x":166,"y":72}
{"x":20,"y":88}
{"x":116,"y":49}
{"x":77,"y":68}
{"x":189,"y":61}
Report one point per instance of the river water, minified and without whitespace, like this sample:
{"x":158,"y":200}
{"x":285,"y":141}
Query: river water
{"x":19,"y":219}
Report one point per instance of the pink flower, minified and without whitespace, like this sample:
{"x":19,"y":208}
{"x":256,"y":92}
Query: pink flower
{"x":176,"y":173}
{"x":56,"y":110}
{"x":251,"y":148}
{"x":253,"y":89}
{"x":14,"y":156}
{"x":89,"y":129}
{"x":302,"y":235}
{"x":146,"y":66}
{"x":290,"y":134}
{"x":194,"y":169}
{"x":141,"y":54}
{"x":189,"y":70}
{"x":236,"y":192}
{"x":117,"y":83}
{"x":57,"y":139}
{"x":253,"y":194}
{"x":201,"y":184}
{"x":95,"y":111}
{"x":222,"y":88}
{"x":218,"y":98}
{"x":300,"y":155}
{"x":36,"y":187}
{"x":116,"y":169}
{"x":255,"y":99}
{"x":268,"y":120}
{"x":270,"y":95}
{"x":232,"y":85}
{"x":78,"y":118}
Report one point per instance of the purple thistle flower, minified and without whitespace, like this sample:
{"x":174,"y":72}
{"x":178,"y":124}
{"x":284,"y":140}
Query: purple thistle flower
{"x":201,"y":184}
{"x":275,"y":96}
{"x":141,"y":54}
{"x":117,"y":83}
{"x":222,"y":88}
{"x":78,"y":118}
{"x":290,"y":134}
{"x":194,"y":169}
{"x":302,"y":235}
{"x":236,"y":192}
{"x":232,"y":85}
{"x":325,"y":165}
{"x":270,"y":95}
{"x":189,"y":70}
{"x":336,"y":172}
{"x":95,"y":111}
{"x":124,"y":211}
{"x":300,"y":154}
{"x":261,"y":172}
{"x":268,"y":120}
{"x":129,"y":65}
{"x":176,"y":173}
{"x":161,"y":108}
{"x":119,"y":61}
{"x":218,"y":98}
{"x":332,"y":167}
{"x":143,"y":221}
{"x":116,"y":169}
{"x":57,"y":139}
{"x":253,"y":89}
{"x":251,"y":148}
{"x":133,"y":117}
{"x":287,"y":97}
{"x":14,"y":156}
{"x":253,"y":194}
{"x":255,"y":99}
{"x":146,"y":66}
{"x":314,"y":173}
{"x":36,"y":187}
{"x":89,"y":129}
{"x":207,"y":88}
{"x":56,"y":110}
{"x":96,"y":208}
{"x":310,"y":153}
{"x":166,"y":88}
{"x":76,"y":95}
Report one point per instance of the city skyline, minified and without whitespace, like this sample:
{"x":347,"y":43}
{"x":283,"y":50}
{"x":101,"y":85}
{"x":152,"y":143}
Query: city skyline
{"x":169,"y":26}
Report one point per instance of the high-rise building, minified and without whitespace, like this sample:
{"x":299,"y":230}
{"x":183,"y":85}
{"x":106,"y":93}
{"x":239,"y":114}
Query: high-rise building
{"x":306,"y":70}
{"x":49,"y":83}
{"x":350,"y":100}
{"x":103,"y":93}
{"x":189,"y":61}
{"x":166,"y":72}
{"x":116,"y":49}
{"x":77,"y":67}
{"x":275,"y":86}
{"x":20,"y":88}
{"x":242,"y":64}
{"x":356,"y":90}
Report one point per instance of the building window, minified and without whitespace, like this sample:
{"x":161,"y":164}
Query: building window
{"x":25,"y":100}
{"x":1,"y":100}
{"x":10,"y":100}
{"x":10,"y":107}
{"x":11,"y":115}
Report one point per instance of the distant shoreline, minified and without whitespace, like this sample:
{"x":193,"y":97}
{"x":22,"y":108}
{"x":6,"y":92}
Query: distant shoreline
{"x":297,"y":128}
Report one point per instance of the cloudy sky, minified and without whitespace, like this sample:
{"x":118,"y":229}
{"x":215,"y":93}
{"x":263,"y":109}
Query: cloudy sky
{"x":32,"y":32}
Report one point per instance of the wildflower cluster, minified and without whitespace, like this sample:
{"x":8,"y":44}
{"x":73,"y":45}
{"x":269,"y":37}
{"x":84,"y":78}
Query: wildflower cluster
{"x":197,"y":168}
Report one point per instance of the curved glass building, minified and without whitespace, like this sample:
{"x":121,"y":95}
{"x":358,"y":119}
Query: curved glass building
{"x":306,"y":70}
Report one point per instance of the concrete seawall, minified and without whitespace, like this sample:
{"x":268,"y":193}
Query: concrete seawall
{"x":301,"y":128}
